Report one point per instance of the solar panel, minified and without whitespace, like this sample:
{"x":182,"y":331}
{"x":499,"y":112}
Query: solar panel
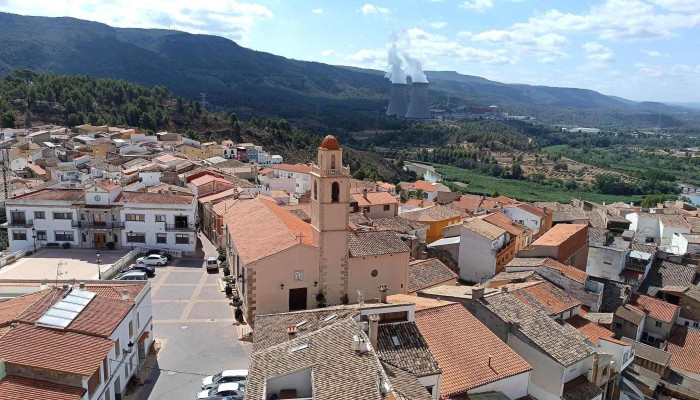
{"x":61,"y":314}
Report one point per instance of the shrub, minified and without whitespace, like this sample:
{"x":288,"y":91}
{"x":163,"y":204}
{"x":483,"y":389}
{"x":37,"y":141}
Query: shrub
{"x":66,"y":245}
{"x":227,"y":271}
{"x":110,"y":245}
{"x":229,"y":290}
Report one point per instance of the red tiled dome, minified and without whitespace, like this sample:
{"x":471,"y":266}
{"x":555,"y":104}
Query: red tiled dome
{"x":330,"y":143}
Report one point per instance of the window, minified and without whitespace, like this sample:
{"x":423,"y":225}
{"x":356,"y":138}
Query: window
{"x":137,"y":237}
{"x":333,"y":161}
{"x":315,"y":190}
{"x":387,"y":207}
{"x":618,"y":325}
{"x":17,"y":217}
{"x":162,"y":238}
{"x":160,"y":218}
{"x":39,"y":215}
{"x":62,"y":215}
{"x":63,"y":236}
{"x":658,"y":324}
{"x":117,"y":349}
{"x":136,"y":217}
{"x":41,"y":235}
{"x":131,"y":328}
{"x":104,"y":369}
{"x":19,"y":235}
{"x":335,"y":192}
{"x":374,"y":273}
{"x":182,"y":238}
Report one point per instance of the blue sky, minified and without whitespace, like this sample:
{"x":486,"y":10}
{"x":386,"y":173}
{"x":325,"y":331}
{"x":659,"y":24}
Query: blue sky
{"x":638,"y":49}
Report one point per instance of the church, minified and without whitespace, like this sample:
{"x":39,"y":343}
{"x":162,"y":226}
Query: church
{"x":282,"y":263}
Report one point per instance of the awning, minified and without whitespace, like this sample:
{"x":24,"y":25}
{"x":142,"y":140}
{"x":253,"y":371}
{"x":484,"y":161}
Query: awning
{"x":143,"y":337}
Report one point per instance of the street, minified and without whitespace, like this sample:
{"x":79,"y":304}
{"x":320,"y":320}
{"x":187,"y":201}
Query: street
{"x":193,"y":322}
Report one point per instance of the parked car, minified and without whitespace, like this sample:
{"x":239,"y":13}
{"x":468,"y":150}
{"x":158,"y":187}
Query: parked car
{"x":152,"y":259}
{"x":161,"y":252}
{"x":231,"y":375}
{"x":237,"y":397}
{"x":148,"y":269}
{"x":212,"y":264}
{"x":225,"y":389}
{"x":133,"y":276}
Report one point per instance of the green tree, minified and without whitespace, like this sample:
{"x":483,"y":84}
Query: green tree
{"x":27,"y":119}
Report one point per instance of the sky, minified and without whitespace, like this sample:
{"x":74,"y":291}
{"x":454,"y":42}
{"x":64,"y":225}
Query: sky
{"x":637,"y":49}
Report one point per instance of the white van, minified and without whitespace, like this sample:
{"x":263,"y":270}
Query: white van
{"x":212,"y":264}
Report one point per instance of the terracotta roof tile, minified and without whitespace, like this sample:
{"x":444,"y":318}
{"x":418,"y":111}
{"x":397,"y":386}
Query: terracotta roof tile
{"x":592,"y":331}
{"x":425,"y":186}
{"x":655,"y":308}
{"x":427,"y":273}
{"x":107,"y":185}
{"x":217,"y":196}
{"x":469,"y":202}
{"x":54,"y":349}
{"x":684,"y":346}
{"x":154,"y":198}
{"x":566,"y":270}
{"x":421,"y":303}
{"x":373,"y":198}
{"x":204,"y":179}
{"x":666,"y":273}
{"x":546,"y":297}
{"x":101,"y":316}
{"x":296,"y":168}
{"x":559,"y":234}
{"x":419,"y":203}
{"x":19,"y":388}
{"x":630,"y":313}
{"x":502,"y":221}
{"x":375,"y":243}
{"x":462,"y":346}
{"x":431,"y":214}
{"x":69,"y":195}
{"x":644,"y":351}
{"x":115,"y":291}
{"x":483,"y":228}
{"x":261,"y":228}
{"x":13,"y":308}
{"x":694,"y":223}
{"x":411,"y":354}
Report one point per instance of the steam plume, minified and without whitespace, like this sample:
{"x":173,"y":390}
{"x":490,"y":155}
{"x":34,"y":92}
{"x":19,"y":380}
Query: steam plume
{"x":414,"y":69}
{"x":396,"y":73}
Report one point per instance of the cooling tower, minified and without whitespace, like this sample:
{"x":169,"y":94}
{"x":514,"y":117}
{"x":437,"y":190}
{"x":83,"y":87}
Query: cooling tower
{"x":399,"y":102}
{"x":419,"y":107}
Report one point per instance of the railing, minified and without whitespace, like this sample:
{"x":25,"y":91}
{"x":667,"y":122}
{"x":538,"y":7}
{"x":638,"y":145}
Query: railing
{"x":179,"y":227}
{"x":97,"y":225}
{"x":171,"y":253}
{"x":20,"y":223}
{"x":12,"y":257}
{"x":342,"y":171}
{"x":120,"y":264}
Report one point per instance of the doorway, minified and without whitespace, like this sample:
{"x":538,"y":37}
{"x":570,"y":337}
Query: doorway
{"x":100,"y":239}
{"x":297,"y":299}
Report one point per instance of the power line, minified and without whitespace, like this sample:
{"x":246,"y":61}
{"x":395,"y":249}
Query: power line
{"x":159,"y":369}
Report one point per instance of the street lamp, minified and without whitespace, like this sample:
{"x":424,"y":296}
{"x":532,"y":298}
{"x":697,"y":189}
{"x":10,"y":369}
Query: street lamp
{"x":34,"y":237}
{"x":131,"y":239}
{"x":99,"y":260}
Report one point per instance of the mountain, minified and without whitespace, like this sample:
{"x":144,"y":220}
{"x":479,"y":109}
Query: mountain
{"x":252,"y":82}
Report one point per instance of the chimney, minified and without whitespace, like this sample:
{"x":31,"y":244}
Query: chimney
{"x":373,"y":329}
{"x":419,"y":107}
{"x":44,"y":285}
{"x":544,"y":209}
{"x":82,"y":285}
{"x":504,"y":288}
{"x":382,"y":293}
{"x":364,"y":193}
{"x":478,"y":292}
{"x":490,"y":357}
{"x":291,"y":331}
{"x":398,"y":104}
{"x":125,"y":294}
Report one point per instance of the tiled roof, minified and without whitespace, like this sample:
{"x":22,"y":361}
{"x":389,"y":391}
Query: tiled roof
{"x":427,"y":273}
{"x":526,"y":262}
{"x":18,"y":388}
{"x":483,"y":228}
{"x":694,"y":223}
{"x":271,"y":329}
{"x":217,"y":196}
{"x":655,"y":308}
{"x":645,"y":247}
{"x":70,"y":195}
{"x":581,"y":389}
{"x":684,"y":346}
{"x":566,"y":270}
{"x":454,"y":292}
{"x":54,"y":349}
{"x":630,"y":314}
{"x":204,"y":179}
{"x":420,"y":302}
{"x":405,"y":384}
{"x":425,"y":186}
{"x":639,"y":375}
{"x":469,"y":202}
{"x":614,"y":294}
{"x":373,"y":198}
{"x":296,"y":168}
{"x":539,"y":327}
{"x":431,"y":214}
{"x":299,"y":213}
{"x":693,"y":292}
{"x":154,"y":198}
{"x":559,"y":234}
{"x":502,"y":221}
{"x":599,"y":318}
{"x":592,"y":331}
{"x":597,"y":235}
{"x":11,"y":309}
{"x":666,"y":273}
{"x":411,"y":354}
{"x":398,"y":224}
{"x":115,"y":291}
{"x":101,"y":316}
{"x":673,"y":221}
{"x":261,"y":228}
{"x":546,"y":297}
{"x":107,"y":185}
{"x":650,"y":353}
{"x":375,"y":243}
{"x":462,"y":346}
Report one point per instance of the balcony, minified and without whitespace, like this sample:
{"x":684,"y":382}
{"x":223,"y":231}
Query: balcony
{"x":342,"y":171}
{"x":180,"y":227}
{"x":20,"y":223}
{"x":97,"y":225}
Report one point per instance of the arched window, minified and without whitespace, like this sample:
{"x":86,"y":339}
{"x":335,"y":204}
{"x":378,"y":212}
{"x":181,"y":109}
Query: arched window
{"x":335,"y":192}
{"x":315,"y":190}
{"x":333,"y":161}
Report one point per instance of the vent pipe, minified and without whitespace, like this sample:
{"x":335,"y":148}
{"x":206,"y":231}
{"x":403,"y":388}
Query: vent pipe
{"x":125,"y":294}
{"x":383,"y":289}
{"x":398,"y":104}
{"x":419,"y":107}
{"x":373,"y":329}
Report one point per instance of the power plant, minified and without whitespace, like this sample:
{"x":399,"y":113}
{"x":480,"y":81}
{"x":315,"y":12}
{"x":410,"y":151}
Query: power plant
{"x":399,"y":100}
{"x":419,"y":107}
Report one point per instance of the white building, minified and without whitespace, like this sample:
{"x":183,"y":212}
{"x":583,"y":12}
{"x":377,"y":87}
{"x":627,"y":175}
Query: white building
{"x":295,"y":178}
{"x":656,"y":228}
{"x":685,"y":243}
{"x":96,"y":216}
{"x":479,"y":245}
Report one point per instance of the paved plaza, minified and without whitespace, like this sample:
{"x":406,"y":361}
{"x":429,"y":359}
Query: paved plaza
{"x":78,"y":264}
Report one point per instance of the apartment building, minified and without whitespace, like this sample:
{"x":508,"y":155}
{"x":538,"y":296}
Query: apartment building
{"x":566,"y":243}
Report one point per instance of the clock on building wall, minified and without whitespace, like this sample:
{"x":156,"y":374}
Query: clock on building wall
{"x":97,"y":197}
{"x":298,"y":275}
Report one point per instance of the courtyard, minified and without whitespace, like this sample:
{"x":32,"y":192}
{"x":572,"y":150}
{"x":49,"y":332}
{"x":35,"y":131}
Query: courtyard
{"x":78,"y":264}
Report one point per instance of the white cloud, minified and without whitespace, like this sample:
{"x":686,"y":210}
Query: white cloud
{"x":680,"y":73}
{"x":477,"y":5}
{"x":317,"y":11}
{"x":654,"y":53}
{"x":465,"y":34}
{"x":371,"y":9}
{"x":548,"y":46}
{"x":598,"y":53}
{"x":438,"y":24}
{"x":232,"y":19}
{"x":428,"y":46}
{"x":329,"y":52}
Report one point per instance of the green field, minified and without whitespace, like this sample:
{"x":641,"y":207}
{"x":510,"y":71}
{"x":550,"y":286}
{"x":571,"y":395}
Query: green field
{"x":520,"y":189}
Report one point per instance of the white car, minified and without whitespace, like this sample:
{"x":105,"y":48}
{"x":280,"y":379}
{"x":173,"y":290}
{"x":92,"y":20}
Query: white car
{"x":225,"y":389}
{"x":231,"y":375}
{"x":152,"y":259}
